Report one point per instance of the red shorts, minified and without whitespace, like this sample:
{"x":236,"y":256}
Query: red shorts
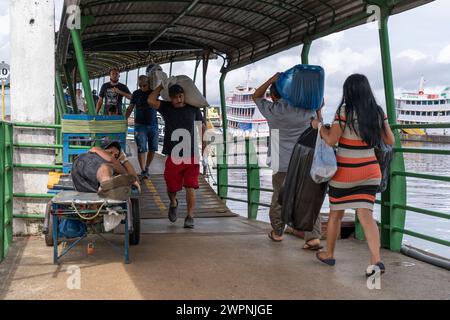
{"x":181,"y":175}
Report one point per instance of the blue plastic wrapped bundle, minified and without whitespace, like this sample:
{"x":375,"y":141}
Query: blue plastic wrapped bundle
{"x":302,"y":86}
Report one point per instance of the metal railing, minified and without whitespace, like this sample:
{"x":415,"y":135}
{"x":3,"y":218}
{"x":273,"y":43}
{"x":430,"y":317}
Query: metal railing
{"x":390,"y":228}
{"x":6,"y":187}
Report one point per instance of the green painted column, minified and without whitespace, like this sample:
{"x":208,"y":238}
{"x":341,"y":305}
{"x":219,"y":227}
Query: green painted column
{"x":253,"y":180}
{"x":396,"y":194}
{"x":59,"y":96}
{"x":6,"y":188}
{"x":222,"y":167}
{"x":305,"y":51}
{"x":72,"y":93}
{"x":76,"y":39}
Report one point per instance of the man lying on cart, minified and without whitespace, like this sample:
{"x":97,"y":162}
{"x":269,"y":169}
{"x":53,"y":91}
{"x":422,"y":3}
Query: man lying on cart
{"x":106,"y":171}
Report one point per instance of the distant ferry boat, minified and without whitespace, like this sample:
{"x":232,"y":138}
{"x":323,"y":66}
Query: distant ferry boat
{"x":244,"y":118}
{"x":424,"y":108}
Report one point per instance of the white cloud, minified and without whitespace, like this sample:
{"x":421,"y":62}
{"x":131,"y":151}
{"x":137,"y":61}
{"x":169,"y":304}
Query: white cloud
{"x":444,"y":55}
{"x":4,"y":25}
{"x":338,"y":59}
{"x":411,"y":54}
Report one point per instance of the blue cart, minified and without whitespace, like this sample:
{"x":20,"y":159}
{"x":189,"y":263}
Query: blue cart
{"x":90,"y":209}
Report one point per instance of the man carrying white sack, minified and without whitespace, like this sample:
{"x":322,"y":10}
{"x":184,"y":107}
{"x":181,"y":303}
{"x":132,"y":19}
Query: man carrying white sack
{"x":182,"y":165}
{"x":288,"y":123}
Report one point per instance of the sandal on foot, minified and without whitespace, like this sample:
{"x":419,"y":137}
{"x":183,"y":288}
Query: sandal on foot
{"x":271,"y":235}
{"x":316,"y":247}
{"x":123,"y":180}
{"x":120,"y":193}
{"x":380,"y":265}
{"x":329,"y":261}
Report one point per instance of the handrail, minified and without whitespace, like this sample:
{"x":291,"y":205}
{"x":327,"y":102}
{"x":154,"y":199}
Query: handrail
{"x":390,"y":205}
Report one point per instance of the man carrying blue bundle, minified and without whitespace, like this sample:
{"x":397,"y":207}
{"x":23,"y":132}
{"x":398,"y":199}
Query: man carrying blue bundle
{"x":286,"y":124}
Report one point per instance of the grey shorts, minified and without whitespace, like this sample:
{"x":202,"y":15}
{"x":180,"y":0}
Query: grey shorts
{"x":84,"y":172}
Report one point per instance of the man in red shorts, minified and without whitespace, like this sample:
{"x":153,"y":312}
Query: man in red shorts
{"x":181,"y":147}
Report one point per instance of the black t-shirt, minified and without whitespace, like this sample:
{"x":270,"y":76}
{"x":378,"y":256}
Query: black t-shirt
{"x":112,"y":101}
{"x":143,"y":113}
{"x":179,"y":118}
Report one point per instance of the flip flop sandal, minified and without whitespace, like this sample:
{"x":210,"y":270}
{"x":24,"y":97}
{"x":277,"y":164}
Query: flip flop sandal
{"x":117,"y":181}
{"x":271,"y":236}
{"x":330,"y":262}
{"x":122,"y":193}
{"x":312,"y":248}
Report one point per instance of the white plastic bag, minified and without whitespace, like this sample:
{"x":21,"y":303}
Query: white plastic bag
{"x":155,"y":74}
{"x":192,"y":95}
{"x":324,"y":164}
{"x":156,"y":78}
{"x":112,"y":219}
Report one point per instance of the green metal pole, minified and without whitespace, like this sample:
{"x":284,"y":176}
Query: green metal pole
{"x":60,"y":93}
{"x":2,"y":188}
{"x":305,"y":51}
{"x":392,"y":216}
{"x":197,"y":63}
{"x":76,"y":39}
{"x":6,"y":188}
{"x":58,"y":103}
{"x":253,"y":182}
{"x":73,"y":98}
{"x":222,"y":167}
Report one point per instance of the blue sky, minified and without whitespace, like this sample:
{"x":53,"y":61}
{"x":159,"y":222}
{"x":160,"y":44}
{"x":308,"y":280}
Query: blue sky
{"x":420,"y":45}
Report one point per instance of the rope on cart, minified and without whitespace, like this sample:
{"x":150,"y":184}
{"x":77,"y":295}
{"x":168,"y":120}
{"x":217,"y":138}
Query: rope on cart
{"x":90,"y":218}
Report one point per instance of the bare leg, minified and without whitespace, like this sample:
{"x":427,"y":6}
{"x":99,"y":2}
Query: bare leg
{"x":150,"y":156}
{"x":190,"y":200}
{"x":173,"y":198}
{"x":371,"y":232}
{"x":104,"y":173}
{"x":141,"y":158}
{"x":333,"y":228}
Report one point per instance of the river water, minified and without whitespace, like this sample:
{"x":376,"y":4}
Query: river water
{"x":426,"y":194}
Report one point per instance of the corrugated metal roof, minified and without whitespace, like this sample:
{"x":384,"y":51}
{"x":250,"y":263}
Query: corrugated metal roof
{"x":128,"y":34}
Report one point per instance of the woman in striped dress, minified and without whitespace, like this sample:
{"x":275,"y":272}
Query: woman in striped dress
{"x":360,"y":124}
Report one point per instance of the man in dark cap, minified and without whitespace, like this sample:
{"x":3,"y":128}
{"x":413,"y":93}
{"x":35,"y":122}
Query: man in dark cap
{"x":182,"y":167}
{"x":104,"y":170}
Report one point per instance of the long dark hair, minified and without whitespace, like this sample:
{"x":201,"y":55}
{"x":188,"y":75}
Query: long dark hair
{"x":358,"y":100}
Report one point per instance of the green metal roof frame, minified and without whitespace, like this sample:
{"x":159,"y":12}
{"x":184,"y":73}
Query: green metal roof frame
{"x":131,"y":33}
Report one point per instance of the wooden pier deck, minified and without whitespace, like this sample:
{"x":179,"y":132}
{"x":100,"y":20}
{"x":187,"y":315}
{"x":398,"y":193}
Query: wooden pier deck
{"x":224,"y":257}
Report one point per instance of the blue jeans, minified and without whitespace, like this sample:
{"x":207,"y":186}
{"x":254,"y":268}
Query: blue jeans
{"x":146,"y":138}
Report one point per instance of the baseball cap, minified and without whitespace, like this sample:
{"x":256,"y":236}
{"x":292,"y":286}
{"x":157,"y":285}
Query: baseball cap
{"x":108,"y":143}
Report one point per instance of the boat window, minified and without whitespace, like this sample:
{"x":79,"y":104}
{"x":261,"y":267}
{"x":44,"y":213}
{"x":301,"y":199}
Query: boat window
{"x":448,"y":113}
{"x":424,"y":114}
{"x":435,"y":114}
{"x":430,"y":102}
{"x":442,"y":101}
{"x":408,"y":102}
{"x":436,"y":101}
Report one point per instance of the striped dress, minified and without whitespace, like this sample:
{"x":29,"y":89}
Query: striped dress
{"x":358,"y":175}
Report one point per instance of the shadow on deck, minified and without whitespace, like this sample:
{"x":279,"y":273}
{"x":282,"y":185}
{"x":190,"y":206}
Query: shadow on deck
{"x":224,"y":257}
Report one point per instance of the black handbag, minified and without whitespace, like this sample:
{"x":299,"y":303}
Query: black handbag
{"x":384,"y":154}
